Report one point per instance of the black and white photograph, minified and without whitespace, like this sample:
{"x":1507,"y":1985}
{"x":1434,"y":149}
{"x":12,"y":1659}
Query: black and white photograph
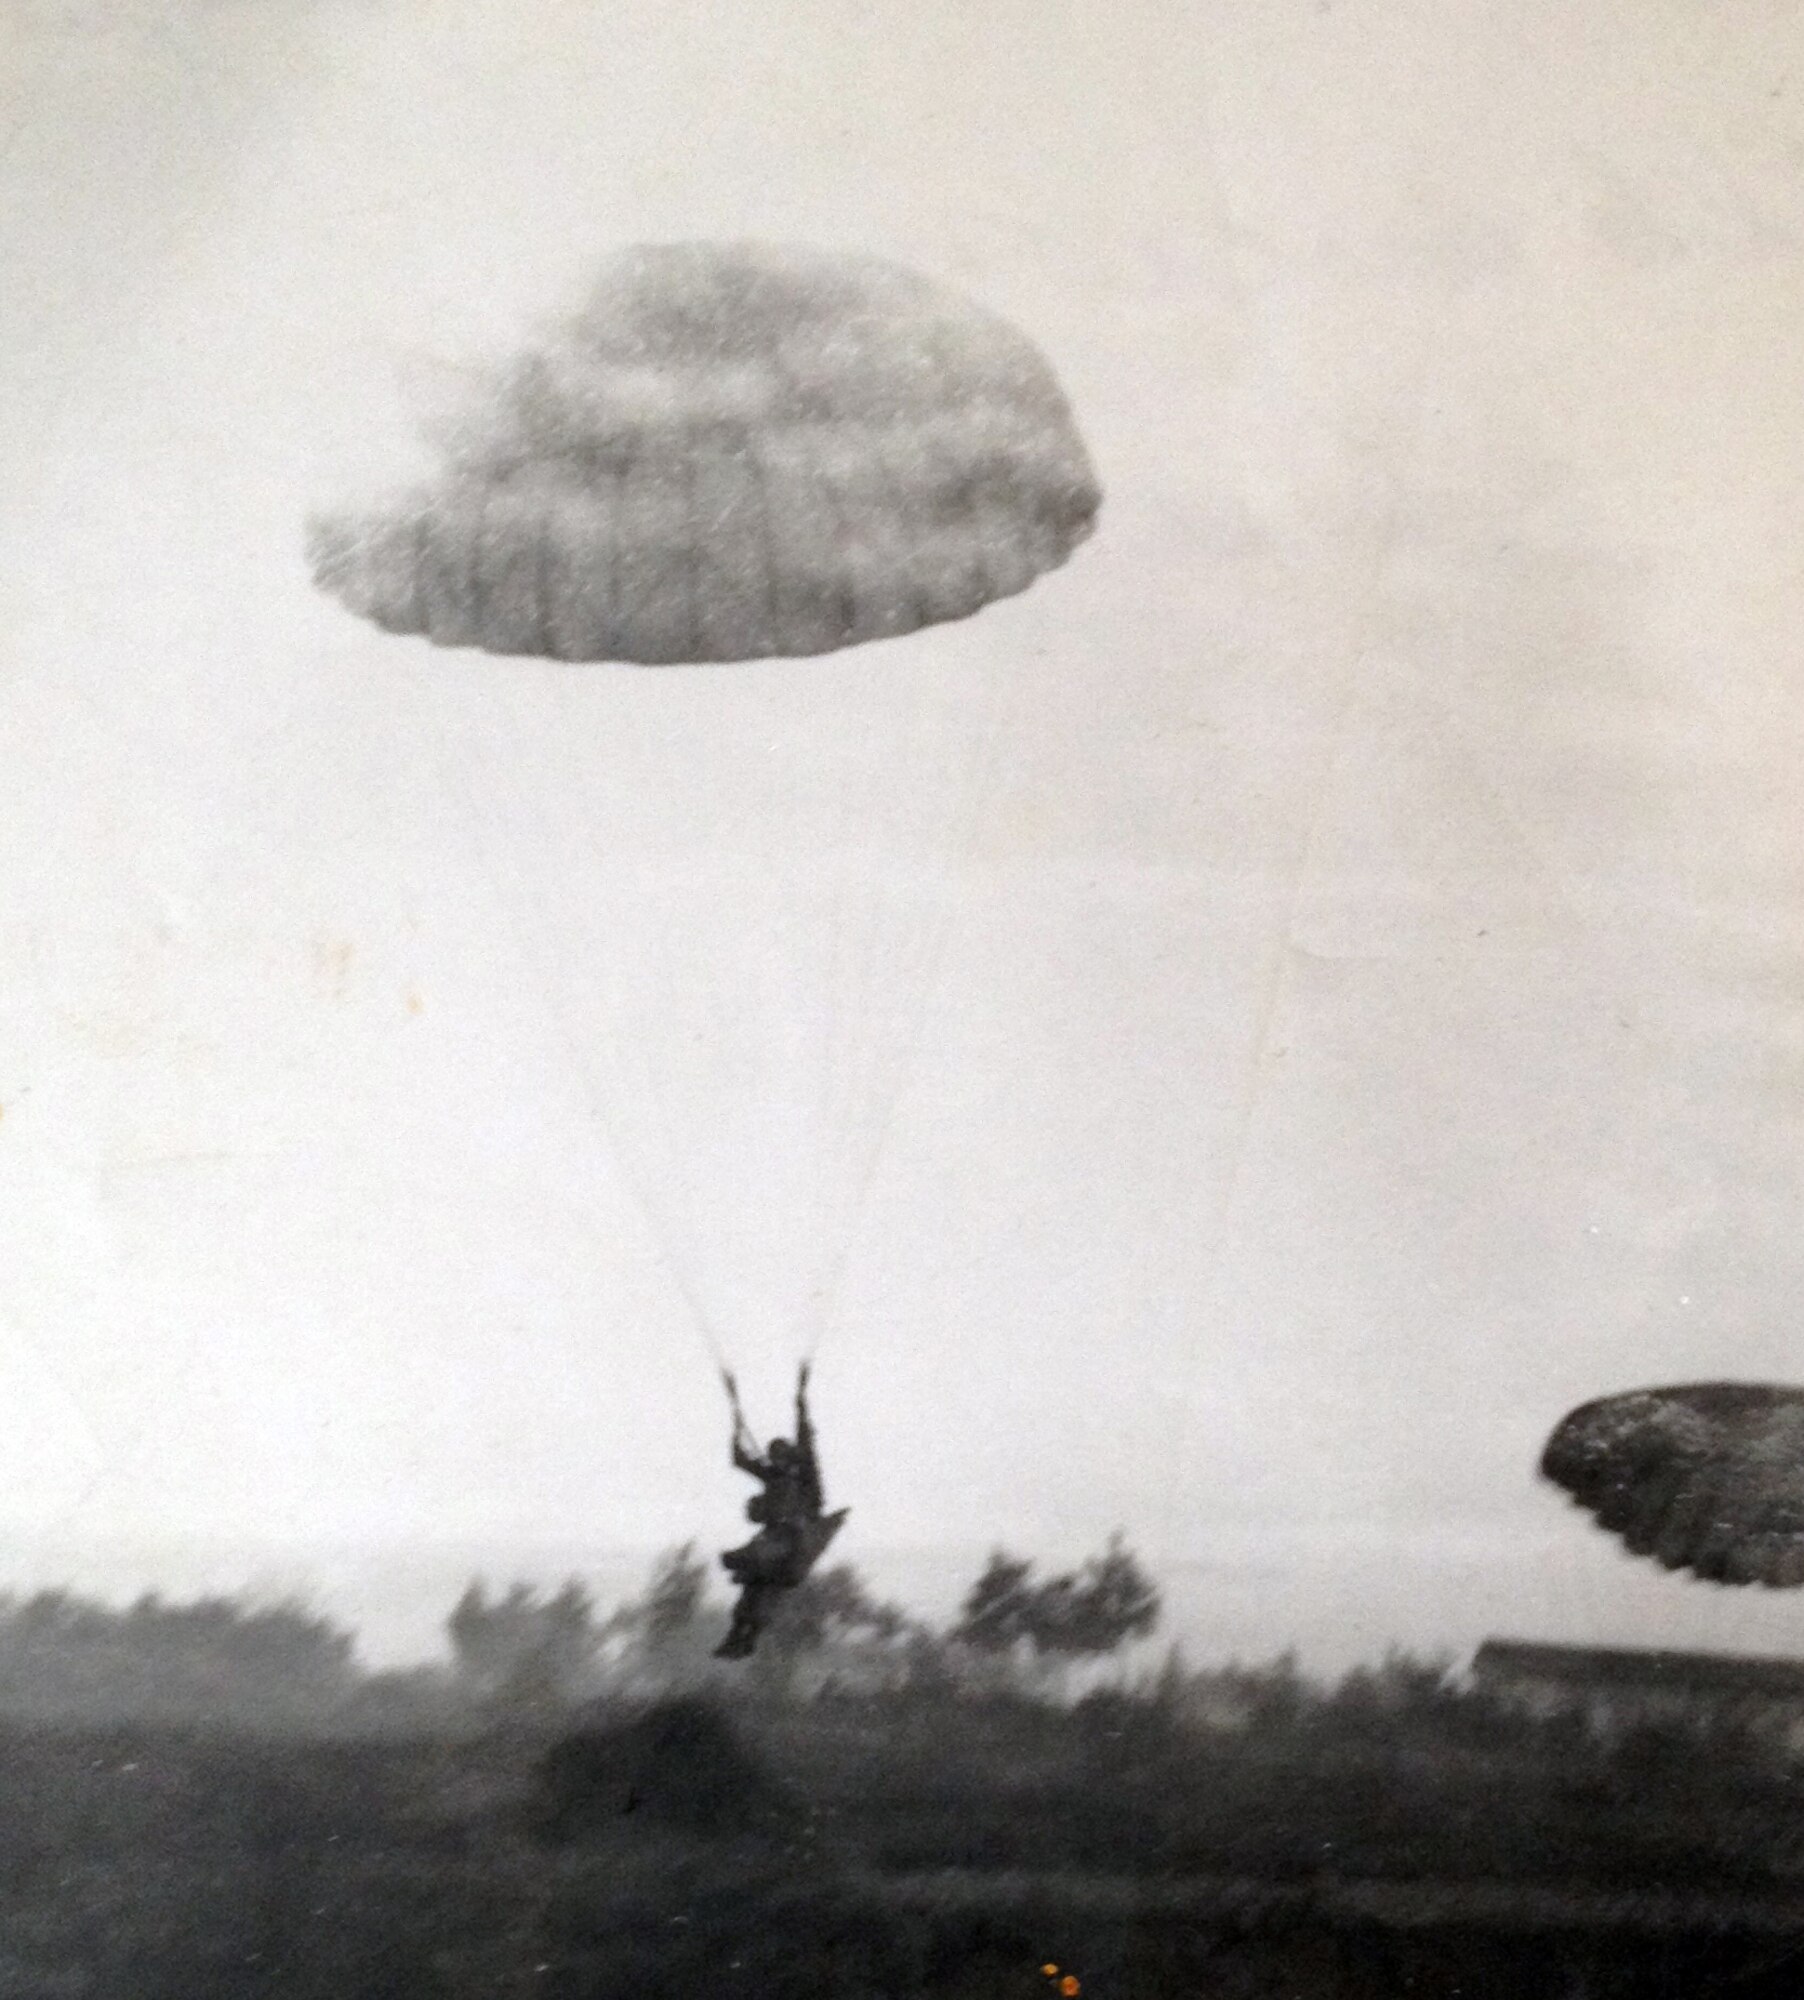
{"x":901,"y":999}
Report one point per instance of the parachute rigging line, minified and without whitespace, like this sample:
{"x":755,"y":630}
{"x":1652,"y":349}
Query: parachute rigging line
{"x":661,"y":1239}
{"x":825,"y":1298}
{"x":1347,"y":700}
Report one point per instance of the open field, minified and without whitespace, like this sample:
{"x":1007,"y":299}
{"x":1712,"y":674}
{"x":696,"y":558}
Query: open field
{"x":876,"y":1849}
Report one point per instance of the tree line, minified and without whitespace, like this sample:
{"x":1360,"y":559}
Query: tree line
{"x":1063,"y":1644}
{"x":523,"y":1648}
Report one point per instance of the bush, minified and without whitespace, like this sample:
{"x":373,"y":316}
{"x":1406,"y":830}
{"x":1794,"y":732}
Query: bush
{"x":67,"y":1658}
{"x":1092,"y":1611}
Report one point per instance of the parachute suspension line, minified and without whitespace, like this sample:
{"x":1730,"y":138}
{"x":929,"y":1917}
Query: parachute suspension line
{"x":825,"y":1301}
{"x":888,"y":1092}
{"x":659,"y":1238}
{"x":1275,"y":985}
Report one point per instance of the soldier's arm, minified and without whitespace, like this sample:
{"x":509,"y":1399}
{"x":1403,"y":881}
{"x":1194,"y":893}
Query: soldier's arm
{"x":745,"y":1446}
{"x":805,"y":1444}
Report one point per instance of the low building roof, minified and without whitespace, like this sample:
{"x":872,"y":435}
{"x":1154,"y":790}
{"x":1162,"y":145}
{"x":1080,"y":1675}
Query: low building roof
{"x":1647,"y":1669}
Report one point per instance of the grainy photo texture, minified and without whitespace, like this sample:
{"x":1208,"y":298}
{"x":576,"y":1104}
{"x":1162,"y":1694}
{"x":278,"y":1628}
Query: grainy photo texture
{"x":900,"y":1000}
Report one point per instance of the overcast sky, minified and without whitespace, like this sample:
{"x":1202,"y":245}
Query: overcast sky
{"x":1239,"y":1038}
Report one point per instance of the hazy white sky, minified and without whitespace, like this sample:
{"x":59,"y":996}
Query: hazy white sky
{"x":1313,"y":987}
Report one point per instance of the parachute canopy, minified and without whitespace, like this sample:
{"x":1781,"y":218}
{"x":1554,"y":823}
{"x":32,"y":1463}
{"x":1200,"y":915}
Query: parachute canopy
{"x":735,"y":451}
{"x":1707,"y":1477}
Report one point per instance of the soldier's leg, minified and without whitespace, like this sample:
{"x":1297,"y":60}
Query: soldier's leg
{"x":750,"y":1615}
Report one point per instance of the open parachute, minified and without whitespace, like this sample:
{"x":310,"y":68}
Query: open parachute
{"x":1707,"y":1477}
{"x":736,"y":451}
{"x":733,"y":892}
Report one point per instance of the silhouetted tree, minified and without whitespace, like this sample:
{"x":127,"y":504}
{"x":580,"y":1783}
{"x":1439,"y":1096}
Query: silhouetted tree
{"x":1109,"y":1601}
{"x":1275,"y":1697}
{"x":1091,"y":1611}
{"x":998,"y":1609}
{"x":834,"y":1607}
{"x":675,"y":1599}
{"x":665,"y":1636}
{"x":1400,"y":1691}
{"x":64,"y":1655}
{"x":523,"y":1649}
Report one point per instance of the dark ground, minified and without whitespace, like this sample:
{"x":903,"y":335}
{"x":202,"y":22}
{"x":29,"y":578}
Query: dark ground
{"x":876,"y":1848}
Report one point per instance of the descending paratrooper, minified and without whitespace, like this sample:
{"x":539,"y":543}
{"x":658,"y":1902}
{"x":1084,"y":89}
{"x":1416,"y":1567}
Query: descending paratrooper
{"x":793,"y":1527}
